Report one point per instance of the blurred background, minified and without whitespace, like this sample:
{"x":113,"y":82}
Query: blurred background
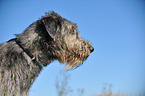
{"x":116,"y":29}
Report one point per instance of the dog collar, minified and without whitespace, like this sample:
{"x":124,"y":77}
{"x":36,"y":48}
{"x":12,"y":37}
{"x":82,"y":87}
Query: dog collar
{"x":25,"y":50}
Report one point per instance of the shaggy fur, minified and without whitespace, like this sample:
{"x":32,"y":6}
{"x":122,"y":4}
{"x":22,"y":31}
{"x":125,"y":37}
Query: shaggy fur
{"x":50,"y":38}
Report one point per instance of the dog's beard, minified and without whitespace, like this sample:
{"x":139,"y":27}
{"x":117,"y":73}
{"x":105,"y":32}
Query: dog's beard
{"x":73,"y":62}
{"x":72,"y":58}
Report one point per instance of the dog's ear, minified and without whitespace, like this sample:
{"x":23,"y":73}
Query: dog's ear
{"x":51,"y":24}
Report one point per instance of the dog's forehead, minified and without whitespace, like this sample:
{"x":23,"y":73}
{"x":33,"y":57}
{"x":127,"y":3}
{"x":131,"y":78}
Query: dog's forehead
{"x":70,"y":24}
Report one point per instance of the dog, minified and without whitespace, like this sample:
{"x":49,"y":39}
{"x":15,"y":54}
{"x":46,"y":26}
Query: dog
{"x":50,"y":38}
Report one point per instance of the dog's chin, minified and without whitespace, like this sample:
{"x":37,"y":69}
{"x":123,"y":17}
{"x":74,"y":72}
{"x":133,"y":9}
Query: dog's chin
{"x":72,"y":62}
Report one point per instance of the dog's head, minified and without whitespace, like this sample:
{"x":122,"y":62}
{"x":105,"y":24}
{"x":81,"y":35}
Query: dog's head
{"x":63,"y":40}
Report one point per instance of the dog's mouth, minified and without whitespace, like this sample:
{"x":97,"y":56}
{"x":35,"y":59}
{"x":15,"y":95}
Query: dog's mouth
{"x":73,"y":64}
{"x":73,"y":60}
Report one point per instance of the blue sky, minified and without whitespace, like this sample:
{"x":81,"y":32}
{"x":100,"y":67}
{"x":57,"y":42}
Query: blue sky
{"x":116,"y":29}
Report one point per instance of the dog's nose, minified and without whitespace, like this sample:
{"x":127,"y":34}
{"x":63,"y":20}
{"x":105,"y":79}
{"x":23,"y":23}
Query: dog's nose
{"x":91,"y":49}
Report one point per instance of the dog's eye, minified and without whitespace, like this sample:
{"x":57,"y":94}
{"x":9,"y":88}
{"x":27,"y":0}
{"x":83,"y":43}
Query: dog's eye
{"x":72,"y":31}
{"x":77,"y":34}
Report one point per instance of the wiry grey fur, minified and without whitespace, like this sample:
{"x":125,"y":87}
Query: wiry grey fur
{"x":48,"y":39}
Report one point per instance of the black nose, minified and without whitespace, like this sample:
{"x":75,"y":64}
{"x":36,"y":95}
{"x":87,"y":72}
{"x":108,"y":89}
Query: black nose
{"x":91,"y":49}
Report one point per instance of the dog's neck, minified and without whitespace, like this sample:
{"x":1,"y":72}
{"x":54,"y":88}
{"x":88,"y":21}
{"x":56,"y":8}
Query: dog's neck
{"x":31,"y":41}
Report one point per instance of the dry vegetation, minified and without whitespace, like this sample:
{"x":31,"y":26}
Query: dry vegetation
{"x":63,"y":89}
